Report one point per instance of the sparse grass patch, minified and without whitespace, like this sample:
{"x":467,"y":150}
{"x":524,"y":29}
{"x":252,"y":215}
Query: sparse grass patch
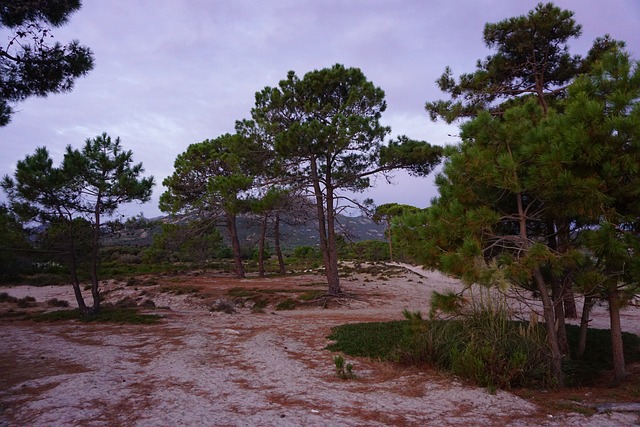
{"x":179,"y":289}
{"x":287,"y":304}
{"x":259,"y":305}
{"x":106,"y":315}
{"x":311,"y":295}
{"x":241,"y":292}
{"x":321,"y":284}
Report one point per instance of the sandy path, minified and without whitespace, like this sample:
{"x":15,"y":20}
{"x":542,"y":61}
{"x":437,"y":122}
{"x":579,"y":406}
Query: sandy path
{"x":243,"y":369}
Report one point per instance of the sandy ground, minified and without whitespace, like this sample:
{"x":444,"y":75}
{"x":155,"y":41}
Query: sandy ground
{"x":198,"y":368}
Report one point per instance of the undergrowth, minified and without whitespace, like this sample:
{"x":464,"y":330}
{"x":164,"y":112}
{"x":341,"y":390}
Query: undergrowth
{"x":107,"y":315}
{"x":513,"y":357}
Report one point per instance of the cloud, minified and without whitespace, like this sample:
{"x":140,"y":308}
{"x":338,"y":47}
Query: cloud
{"x":174,"y":72}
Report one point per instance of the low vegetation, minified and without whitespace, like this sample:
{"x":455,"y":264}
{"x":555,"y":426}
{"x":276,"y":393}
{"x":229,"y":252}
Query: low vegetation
{"x":491,"y":351}
{"x":106,"y":315}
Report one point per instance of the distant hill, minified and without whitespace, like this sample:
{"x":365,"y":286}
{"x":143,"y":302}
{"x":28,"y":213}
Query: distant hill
{"x":353,"y":228}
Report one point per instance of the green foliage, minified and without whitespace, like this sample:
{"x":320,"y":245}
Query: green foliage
{"x":344,"y":371}
{"x":449,"y":302}
{"x":14,"y":246}
{"x":306,"y":253}
{"x":373,"y":340}
{"x":212,"y":179}
{"x":196,"y":242}
{"x":326,"y":128}
{"x":73,"y":199}
{"x":531,"y":58}
{"x":29,"y":64}
{"x":366,"y":250}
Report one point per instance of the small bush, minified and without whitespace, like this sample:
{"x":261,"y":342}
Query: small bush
{"x":223,"y":305}
{"x":55,"y":302}
{"x":287,"y":304}
{"x":343,"y":370}
{"x":148,"y":304}
{"x":259,"y":305}
{"x":27,"y":301}
{"x":5,"y":297}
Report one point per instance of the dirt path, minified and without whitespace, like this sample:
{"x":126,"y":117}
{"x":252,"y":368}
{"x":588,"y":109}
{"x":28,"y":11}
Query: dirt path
{"x":253,"y":369}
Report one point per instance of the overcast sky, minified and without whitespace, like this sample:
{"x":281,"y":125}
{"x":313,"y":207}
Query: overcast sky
{"x":169,"y":73}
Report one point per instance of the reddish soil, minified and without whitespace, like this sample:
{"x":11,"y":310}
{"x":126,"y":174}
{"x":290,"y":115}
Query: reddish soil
{"x":256,"y":366}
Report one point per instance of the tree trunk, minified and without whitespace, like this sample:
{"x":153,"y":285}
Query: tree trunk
{"x":557,"y":295}
{"x":324,"y":223}
{"x":263,"y":235}
{"x":235,"y":244}
{"x":549,"y":320}
{"x":276,"y":244}
{"x":547,"y":303}
{"x":589,"y":301}
{"x":570,"y":309}
{"x":616,"y":334}
{"x":95,"y":292}
{"x":73,"y":268}
{"x":333,"y":276}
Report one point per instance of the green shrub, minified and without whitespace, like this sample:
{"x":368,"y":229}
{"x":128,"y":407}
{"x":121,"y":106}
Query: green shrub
{"x":306,"y":253}
{"x":343,"y":370}
{"x":378,"y":340}
{"x":287,"y":304}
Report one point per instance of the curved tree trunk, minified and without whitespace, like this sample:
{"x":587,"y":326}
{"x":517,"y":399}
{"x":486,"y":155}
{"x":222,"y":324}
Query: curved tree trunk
{"x":73,"y":270}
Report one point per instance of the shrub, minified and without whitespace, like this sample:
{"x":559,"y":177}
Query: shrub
{"x":306,"y":252}
{"x":27,"y":301}
{"x":287,"y":304}
{"x":482,"y":345}
{"x":55,"y":302}
{"x":343,"y":370}
{"x":5,"y":297}
{"x":223,"y":305}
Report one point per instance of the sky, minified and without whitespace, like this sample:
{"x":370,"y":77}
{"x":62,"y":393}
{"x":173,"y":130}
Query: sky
{"x":170,"y":73}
